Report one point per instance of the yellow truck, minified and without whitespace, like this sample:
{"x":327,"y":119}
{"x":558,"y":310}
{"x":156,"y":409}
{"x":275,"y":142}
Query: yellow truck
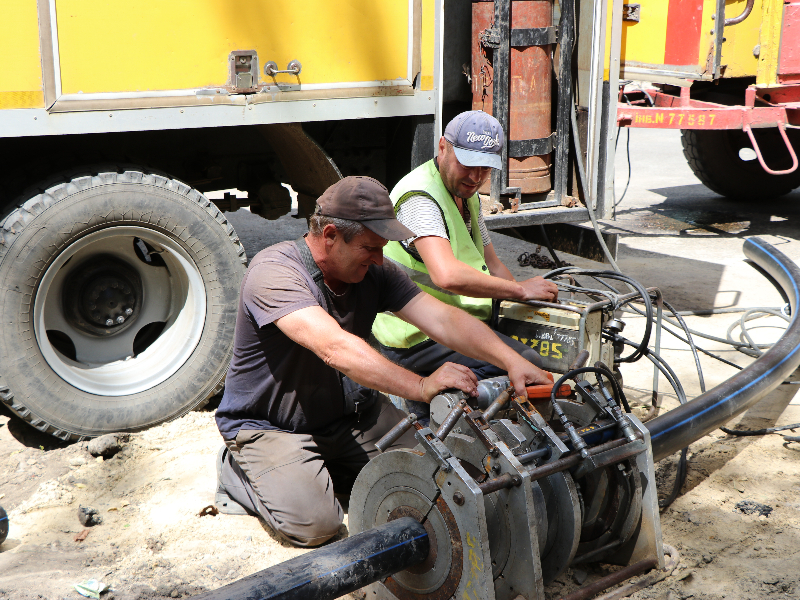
{"x":119,"y":277}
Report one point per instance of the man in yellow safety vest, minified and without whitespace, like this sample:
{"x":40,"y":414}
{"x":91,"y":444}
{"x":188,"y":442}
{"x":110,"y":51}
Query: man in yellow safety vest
{"x":451,"y":256}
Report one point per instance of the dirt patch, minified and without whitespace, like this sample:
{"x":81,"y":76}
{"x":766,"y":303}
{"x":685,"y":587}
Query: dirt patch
{"x":153,"y":544}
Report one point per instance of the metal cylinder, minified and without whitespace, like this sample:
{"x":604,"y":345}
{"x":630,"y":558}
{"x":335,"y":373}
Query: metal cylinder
{"x":496,"y":406}
{"x":506,"y":480}
{"x":689,"y":422}
{"x":337,"y":569}
{"x":395,"y":432}
{"x":451,"y":420}
{"x":529,"y":88}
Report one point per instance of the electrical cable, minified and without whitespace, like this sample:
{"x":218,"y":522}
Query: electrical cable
{"x":550,"y":248}
{"x":682,"y":468}
{"x":662,"y":366}
{"x":748,"y":432}
{"x":714,"y":338}
{"x":754,"y":349}
{"x":582,"y":176}
{"x":618,"y":393}
{"x":633,"y":284}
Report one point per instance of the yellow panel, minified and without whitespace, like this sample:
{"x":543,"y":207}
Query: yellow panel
{"x":740,"y":39}
{"x":21,"y":69}
{"x":428,"y":40}
{"x":33,"y":99}
{"x":138,"y":45}
{"x":645,"y":41}
{"x":771,"y":18}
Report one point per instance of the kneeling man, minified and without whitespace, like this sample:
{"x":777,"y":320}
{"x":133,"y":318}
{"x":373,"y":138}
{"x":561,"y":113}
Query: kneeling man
{"x":300,"y":415}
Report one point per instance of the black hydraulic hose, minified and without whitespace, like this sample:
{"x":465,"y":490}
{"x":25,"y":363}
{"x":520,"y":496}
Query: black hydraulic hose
{"x":767,"y":431}
{"x":550,"y":248}
{"x":618,"y":393}
{"x":337,"y":569}
{"x":690,"y":341}
{"x":596,"y":274}
{"x":680,"y":427}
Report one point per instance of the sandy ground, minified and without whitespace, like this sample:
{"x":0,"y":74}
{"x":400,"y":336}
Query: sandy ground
{"x":153,"y":543}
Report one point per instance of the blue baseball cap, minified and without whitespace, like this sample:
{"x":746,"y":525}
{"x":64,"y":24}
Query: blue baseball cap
{"x":477,"y":139}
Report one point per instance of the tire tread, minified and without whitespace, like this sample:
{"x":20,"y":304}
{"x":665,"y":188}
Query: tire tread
{"x":64,"y":185}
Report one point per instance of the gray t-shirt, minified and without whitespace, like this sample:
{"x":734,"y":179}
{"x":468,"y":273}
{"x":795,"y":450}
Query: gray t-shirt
{"x":423,"y":216}
{"x":275,"y":383}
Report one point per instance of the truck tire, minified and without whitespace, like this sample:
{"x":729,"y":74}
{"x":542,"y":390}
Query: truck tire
{"x":713,"y":156}
{"x":118,"y":300}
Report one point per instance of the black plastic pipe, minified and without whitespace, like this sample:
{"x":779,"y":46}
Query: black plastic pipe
{"x":337,"y":569}
{"x":681,"y":426}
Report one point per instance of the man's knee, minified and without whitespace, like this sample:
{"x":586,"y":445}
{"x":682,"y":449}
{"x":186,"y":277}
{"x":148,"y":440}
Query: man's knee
{"x":311,"y":524}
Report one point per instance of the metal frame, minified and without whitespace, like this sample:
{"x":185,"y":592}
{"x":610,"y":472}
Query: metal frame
{"x":683,"y":112}
{"x":38,"y":121}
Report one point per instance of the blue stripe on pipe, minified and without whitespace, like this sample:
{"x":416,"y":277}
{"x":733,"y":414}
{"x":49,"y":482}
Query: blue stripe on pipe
{"x":349,"y":565}
{"x":765,"y":374}
{"x":4,"y":519}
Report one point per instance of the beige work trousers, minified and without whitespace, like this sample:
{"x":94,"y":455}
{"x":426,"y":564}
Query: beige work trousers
{"x":289,"y":479}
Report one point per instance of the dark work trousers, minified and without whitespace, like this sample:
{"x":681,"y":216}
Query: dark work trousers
{"x":289,"y":479}
{"x":424,"y":358}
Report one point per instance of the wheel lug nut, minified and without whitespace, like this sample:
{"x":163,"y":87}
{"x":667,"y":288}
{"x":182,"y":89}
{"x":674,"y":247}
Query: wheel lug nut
{"x":109,"y":322}
{"x":120,"y":319}
{"x":129,"y":311}
{"x":92,"y":306}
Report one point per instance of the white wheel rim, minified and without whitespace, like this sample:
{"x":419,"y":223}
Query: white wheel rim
{"x":106,"y":365}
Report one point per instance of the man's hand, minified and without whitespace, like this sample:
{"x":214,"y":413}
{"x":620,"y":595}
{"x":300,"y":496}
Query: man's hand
{"x":539,"y":288}
{"x":446,"y":377}
{"x":523,"y":373}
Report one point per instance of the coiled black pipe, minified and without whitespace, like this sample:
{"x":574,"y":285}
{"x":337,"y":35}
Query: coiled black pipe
{"x":680,"y":427}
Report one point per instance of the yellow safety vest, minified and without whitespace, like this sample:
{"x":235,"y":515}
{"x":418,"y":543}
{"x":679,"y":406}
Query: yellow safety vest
{"x":425,"y":181}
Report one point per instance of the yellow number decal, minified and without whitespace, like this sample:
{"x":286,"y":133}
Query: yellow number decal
{"x":555,"y":351}
{"x":534,"y":343}
{"x":544,"y":348}
{"x":671,"y":118}
{"x":713,"y":116}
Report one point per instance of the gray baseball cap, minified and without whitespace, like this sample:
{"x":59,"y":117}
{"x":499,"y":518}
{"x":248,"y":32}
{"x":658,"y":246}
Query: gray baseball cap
{"x":477,"y":139}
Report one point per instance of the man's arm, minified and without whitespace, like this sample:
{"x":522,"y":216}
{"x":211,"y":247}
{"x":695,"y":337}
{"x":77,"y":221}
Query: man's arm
{"x":460,"y":331}
{"x":451,"y":274}
{"x":316,"y":330}
{"x":496,"y":266}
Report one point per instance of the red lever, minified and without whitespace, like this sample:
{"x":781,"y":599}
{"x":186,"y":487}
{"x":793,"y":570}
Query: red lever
{"x":542,"y":392}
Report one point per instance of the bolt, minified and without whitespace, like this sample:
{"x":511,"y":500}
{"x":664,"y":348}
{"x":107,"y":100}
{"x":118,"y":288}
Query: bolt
{"x":495,"y":452}
{"x":92,"y":306}
{"x":109,"y":322}
{"x":458,"y":498}
{"x":496,"y":468}
{"x":128,"y":311}
{"x":120,"y":320}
